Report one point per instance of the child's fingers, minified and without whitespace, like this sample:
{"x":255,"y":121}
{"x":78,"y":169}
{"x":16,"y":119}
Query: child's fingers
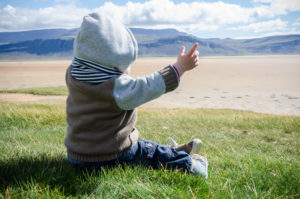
{"x":182,"y":50}
{"x":195,"y":56}
{"x":192,"y":50}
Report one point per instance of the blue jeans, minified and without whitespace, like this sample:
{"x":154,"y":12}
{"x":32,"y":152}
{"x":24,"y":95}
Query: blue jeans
{"x":146,"y":153}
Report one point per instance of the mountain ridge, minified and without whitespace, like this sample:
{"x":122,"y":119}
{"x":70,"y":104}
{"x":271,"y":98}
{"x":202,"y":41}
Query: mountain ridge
{"x":163,"y":42}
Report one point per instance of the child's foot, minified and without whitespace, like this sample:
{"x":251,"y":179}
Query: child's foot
{"x":199,"y":165}
{"x":192,"y":147}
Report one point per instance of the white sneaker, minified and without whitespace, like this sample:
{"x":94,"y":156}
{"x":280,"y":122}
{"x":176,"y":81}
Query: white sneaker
{"x":199,"y":165}
{"x":193,"y":147}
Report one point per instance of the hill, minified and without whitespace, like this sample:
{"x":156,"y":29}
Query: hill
{"x":164,"y":42}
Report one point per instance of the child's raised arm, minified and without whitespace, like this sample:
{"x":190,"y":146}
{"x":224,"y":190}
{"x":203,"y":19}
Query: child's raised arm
{"x":187,"y":61}
{"x":130,"y":93}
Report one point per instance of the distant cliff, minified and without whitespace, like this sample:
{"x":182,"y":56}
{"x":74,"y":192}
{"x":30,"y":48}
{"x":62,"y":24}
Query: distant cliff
{"x":165,"y":42}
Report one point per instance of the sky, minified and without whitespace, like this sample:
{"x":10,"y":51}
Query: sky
{"x":204,"y":19}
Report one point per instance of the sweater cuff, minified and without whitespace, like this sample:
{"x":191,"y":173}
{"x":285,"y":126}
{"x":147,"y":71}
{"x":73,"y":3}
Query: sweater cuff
{"x":170,"y":77}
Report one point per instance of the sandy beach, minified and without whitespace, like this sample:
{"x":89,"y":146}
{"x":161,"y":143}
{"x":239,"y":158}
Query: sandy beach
{"x":266,"y":84}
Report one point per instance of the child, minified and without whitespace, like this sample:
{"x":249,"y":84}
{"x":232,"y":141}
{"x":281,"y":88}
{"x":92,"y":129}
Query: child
{"x":102,"y":101}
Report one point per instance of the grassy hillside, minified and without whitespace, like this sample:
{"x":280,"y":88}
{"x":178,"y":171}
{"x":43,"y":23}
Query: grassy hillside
{"x":250,"y":156}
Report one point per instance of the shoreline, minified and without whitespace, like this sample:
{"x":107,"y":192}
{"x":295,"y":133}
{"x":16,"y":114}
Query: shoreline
{"x":265,"y":84}
{"x":207,"y":103}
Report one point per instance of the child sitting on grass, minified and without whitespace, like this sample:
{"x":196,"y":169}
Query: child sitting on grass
{"x":102,"y":101}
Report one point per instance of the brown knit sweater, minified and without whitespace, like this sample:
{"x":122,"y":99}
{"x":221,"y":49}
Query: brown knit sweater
{"x":98,"y":129}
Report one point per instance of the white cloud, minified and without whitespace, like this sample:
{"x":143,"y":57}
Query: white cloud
{"x":9,"y":9}
{"x":63,"y":1}
{"x":262,"y":1}
{"x":297,"y":22}
{"x":282,"y":33}
{"x":265,"y":26}
{"x":278,"y":7}
{"x":195,"y":16}
{"x":16,"y":19}
{"x":270,"y":34}
{"x":262,"y":11}
{"x":282,"y":6}
{"x":190,"y":17}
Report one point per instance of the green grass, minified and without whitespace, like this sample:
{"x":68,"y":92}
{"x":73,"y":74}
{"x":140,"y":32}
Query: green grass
{"x":56,"y":90}
{"x":250,"y":156}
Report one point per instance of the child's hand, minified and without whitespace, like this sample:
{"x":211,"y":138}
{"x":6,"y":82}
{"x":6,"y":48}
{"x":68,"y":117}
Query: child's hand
{"x":187,"y":61}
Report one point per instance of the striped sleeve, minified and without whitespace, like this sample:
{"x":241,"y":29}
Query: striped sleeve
{"x":86,"y":71}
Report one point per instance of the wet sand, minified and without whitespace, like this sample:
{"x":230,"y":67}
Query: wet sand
{"x":267,"y":84}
